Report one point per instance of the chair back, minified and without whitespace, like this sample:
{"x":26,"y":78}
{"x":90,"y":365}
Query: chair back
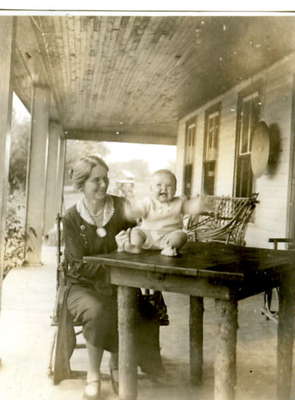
{"x":227,"y":223}
{"x":61,"y":272}
{"x":285,"y":241}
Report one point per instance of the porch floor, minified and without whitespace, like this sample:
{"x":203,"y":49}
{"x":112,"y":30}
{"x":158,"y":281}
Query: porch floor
{"x":26,"y":335}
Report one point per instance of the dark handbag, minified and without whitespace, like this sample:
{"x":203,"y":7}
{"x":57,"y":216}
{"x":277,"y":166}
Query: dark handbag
{"x":153,"y":306}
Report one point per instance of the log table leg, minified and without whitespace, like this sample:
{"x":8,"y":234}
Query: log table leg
{"x":127,"y":356}
{"x":285,"y":336}
{"x":196,"y":339}
{"x":225,"y":357}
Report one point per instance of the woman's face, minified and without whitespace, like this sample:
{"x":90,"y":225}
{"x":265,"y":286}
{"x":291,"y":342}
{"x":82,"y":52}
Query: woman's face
{"x":96,"y":184}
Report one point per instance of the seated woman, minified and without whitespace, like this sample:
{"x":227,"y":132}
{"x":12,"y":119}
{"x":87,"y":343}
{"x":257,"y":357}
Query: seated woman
{"x":90,"y":228}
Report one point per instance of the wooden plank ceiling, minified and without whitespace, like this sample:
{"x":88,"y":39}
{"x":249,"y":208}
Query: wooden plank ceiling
{"x":137,"y":75}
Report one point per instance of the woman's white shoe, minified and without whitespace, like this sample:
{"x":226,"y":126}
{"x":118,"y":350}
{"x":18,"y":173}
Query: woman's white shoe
{"x":92,"y":390}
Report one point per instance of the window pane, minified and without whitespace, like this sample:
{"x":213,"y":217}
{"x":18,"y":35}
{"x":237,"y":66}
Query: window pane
{"x":209,"y":177}
{"x":216,"y":128}
{"x":212,"y":137}
{"x":211,"y":143}
{"x":244,"y":177}
{"x":254,"y":114}
{"x":189,"y":156}
{"x":244,"y":140}
{"x":249,"y":113}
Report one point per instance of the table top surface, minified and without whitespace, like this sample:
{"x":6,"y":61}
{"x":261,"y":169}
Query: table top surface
{"x":208,"y":260}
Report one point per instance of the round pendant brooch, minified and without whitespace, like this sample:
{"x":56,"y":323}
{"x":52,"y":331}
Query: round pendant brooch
{"x":101,"y":232}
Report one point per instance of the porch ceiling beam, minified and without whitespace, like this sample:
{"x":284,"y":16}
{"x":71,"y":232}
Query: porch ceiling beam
{"x":33,"y":61}
{"x":27,"y":51}
{"x":106,"y":136}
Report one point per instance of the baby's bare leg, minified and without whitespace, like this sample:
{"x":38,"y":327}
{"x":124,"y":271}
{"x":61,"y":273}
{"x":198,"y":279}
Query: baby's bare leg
{"x":175,"y":240}
{"x":137,"y":239}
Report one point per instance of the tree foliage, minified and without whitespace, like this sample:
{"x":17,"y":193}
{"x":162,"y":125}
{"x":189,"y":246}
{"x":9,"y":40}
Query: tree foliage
{"x":15,"y":232}
{"x":20,"y":132}
{"x":77,"y":148}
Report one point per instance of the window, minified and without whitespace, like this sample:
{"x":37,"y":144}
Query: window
{"x":248,"y":115}
{"x":212,"y":126}
{"x":190,"y":133}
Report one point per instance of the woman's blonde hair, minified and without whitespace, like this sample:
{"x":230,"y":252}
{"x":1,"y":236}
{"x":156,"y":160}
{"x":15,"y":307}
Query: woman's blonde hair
{"x":82,"y":169}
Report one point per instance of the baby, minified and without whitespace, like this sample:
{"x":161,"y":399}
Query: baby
{"x":161,"y":218}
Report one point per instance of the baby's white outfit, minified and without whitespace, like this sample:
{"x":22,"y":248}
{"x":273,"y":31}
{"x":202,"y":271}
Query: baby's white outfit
{"x":158,"y":221}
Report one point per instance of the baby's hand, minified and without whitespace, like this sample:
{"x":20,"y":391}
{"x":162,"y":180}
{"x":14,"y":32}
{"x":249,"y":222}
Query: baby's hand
{"x":199,"y":204}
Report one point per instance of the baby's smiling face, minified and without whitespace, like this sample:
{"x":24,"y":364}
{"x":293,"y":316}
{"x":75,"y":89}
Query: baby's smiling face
{"x":163,"y":187}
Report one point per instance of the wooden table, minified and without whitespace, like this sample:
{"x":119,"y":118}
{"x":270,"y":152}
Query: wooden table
{"x":223,"y":272}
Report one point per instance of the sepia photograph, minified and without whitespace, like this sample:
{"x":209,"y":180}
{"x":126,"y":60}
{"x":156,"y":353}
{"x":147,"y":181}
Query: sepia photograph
{"x":147,"y":204}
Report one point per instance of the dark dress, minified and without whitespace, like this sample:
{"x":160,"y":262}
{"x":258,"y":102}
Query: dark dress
{"x":91,"y":300}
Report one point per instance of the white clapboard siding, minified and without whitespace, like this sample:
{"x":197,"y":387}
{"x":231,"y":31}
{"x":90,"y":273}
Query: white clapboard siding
{"x":270,"y":218}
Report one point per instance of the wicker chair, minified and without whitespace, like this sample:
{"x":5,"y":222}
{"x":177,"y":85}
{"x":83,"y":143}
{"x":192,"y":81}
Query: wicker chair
{"x":227,"y":223}
{"x":59,"y":367}
{"x":270,"y":307}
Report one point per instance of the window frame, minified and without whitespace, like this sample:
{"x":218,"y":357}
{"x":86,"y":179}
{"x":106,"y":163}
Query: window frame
{"x":210,"y":159}
{"x":250,"y":92}
{"x":189,"y":154}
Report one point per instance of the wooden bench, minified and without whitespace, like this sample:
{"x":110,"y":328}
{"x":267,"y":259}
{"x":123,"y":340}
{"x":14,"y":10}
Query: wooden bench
{"x":227,"y":223}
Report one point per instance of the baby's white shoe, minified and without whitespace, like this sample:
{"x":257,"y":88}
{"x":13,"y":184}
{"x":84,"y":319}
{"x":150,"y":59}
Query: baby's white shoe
{"x":120,"y":248}
{"x":169,"y":251}
{"x":131,"y":248}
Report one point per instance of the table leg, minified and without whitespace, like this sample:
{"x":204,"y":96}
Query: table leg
{"x":127,"y":353}
{"x":196,"y":339}
{"x":225,"y":357}
{"x":285,"y":336}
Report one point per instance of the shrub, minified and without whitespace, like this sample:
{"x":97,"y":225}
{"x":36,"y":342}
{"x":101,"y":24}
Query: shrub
{"x":15,"y":233}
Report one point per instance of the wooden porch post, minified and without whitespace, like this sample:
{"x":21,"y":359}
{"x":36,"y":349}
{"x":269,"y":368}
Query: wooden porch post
{"x":285,"y":335}
{"x":51,"y":199}
{"x":7,"y":32}
{"x":37,"y":175}
{"x":60,"y":173}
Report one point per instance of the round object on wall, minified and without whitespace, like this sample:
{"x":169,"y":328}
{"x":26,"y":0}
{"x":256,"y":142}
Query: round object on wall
{"x":260,"y":149}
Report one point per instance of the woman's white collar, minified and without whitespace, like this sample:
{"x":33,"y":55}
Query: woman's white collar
{"x":108,"y":211}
